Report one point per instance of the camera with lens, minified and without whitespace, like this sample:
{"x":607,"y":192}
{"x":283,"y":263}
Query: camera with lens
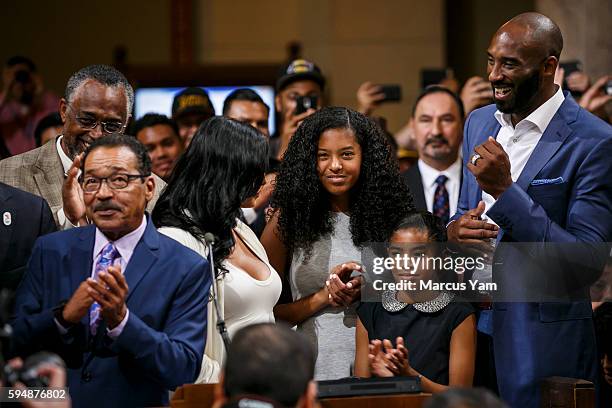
{"x":22,"y":76}
{"x":25,"y":87}
{"x":303,"y":103}
{"x":28,"y":373}
{"x":608,"y":87}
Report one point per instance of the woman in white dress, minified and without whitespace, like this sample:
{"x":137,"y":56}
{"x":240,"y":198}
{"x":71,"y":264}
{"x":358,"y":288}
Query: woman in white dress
{"x":220,"y":172}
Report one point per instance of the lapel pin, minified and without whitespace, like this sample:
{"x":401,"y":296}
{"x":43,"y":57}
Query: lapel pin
{"x":6,"y":218}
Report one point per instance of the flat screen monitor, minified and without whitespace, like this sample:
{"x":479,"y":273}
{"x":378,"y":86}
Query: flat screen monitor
{"x":159,"y":100}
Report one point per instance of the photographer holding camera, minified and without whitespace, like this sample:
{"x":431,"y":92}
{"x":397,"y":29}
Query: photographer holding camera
{"x":23,"y":102}
{"x":54,"y":374}
{"x":299,"y":94}
{"x":44,"y":371}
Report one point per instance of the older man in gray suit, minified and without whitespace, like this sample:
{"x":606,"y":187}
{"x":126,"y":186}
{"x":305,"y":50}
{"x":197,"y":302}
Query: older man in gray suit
{"x":98,"y":100}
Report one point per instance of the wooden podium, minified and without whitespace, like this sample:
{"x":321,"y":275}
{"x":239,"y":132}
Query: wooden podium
{"x":202,"y":395}
{"x":193,"y":395}
{"x":557,"y":392}
{"x":562,"y":392}
{"x":376,"y":401}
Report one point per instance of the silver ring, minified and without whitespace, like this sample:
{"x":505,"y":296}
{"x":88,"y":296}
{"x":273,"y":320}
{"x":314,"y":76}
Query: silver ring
{"x":475,"y":158}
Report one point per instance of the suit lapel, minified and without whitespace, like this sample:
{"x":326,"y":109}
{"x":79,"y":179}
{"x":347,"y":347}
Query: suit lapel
{"x":81,"y":264}
{"x":49,"y":176}
{"x":143,"y":258}
{"x":5,"y":193}
{"x":81,"y":257}
{"x":415,"y":183}
{"x":7,"y":230}
{"x":490,"y":129}
{"x":552,"y":139}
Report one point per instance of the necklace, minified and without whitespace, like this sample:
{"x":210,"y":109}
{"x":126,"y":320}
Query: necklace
{"x":391,"y":304}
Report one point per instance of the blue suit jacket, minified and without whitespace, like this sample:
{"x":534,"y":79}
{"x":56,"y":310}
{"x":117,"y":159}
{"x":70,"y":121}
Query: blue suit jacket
{"x":540,"y":339}
{"x":160,"y":347}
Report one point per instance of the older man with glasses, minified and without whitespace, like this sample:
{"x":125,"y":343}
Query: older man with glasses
{"x":98,"y":100}
{"x":122,"y":304}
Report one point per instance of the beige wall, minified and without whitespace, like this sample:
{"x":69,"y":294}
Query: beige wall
{"x":352,"y":41}
{"x":472,"y":24}
{"x":586,"y":32}
{"x":386,"y":41}
{"x":65,"y":35}
{"x":244,"y":31}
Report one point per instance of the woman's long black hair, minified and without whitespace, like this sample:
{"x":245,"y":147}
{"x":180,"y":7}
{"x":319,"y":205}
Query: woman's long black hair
{"x":222,"y":167}
{"x":378,"y":200}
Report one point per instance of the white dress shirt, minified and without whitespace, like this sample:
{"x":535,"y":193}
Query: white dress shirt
{"x":66,"y":162}
{"x":520,"y":140}
{"x":64,"y":222}
{"x":249,"y":214}
{"x":125,"y":246}
{"x":453,"y":183}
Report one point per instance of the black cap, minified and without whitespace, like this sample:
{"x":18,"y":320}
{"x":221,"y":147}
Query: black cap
{"x":297,"y":70}
{"x":192,"y":100}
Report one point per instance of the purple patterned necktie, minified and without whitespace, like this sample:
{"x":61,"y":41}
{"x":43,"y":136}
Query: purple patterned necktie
{"x":440,"y":205}
{"x":108,"y":255}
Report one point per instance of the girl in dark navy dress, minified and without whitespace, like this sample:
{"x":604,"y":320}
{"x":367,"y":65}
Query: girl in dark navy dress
{"x":435,"y":335}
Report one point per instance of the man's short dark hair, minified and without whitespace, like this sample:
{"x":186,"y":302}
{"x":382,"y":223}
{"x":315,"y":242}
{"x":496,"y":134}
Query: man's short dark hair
{"x":104,"y":74}
{"x":119,"y":140}
{"x":20,"y":59}
{"x":153,"y":119}
{"x":431,"y":89}
{"x":51,"y":120}
{"x":271,"y":361}
{"x":242,"y":94}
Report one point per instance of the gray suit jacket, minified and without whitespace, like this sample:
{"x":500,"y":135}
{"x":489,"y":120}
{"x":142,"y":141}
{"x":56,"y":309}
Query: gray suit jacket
{"x":40,"y":172}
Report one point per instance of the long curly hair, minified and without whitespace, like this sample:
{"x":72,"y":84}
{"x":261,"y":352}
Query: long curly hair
{"x":222,"y":167}
{"x":377,"y":201}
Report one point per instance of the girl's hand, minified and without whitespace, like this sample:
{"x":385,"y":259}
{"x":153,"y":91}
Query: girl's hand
{"x":379,"y":365}
{"x":398,"y":357}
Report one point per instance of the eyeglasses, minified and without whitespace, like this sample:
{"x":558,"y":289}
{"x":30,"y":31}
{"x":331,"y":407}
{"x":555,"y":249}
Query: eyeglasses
{"x":91,"y":184}
{"x":91,"y":123}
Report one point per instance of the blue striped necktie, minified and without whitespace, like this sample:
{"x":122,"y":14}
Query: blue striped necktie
{"x":108,"y":255}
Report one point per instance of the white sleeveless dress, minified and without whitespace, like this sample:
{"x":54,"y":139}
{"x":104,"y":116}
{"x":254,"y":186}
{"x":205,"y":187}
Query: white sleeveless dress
{"x":243,"y":300}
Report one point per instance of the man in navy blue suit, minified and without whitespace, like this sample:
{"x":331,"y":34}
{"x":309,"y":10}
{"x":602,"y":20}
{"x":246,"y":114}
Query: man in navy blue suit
{"x":123,"y":305}
{"x":536,"y":169}
{"x":25,"y":217}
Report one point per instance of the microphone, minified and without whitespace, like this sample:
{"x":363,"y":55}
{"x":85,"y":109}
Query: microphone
{"x":210,"y":240}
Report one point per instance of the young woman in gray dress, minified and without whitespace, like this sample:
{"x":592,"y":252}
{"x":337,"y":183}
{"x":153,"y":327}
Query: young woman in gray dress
{"x":337,"y":189}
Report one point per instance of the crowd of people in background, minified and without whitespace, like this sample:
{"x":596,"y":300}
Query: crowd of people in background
{"x":112,"y":225}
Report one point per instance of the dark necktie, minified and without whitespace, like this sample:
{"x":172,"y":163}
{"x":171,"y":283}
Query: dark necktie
{"x":440,"y":204}
{"x":107,"y":258}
